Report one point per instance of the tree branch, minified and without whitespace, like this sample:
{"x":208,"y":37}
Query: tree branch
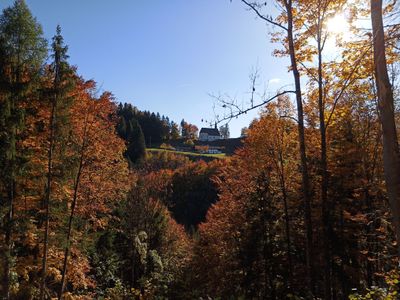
{"x":346,"y":83}
{"x":253,"y":6}
{"x":239,"y":111}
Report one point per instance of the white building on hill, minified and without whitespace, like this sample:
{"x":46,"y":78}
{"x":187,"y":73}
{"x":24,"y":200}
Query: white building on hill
{"x":209,"y":134}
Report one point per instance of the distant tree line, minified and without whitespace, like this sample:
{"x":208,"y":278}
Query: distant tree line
{"x":143,"y":128}
{"x":156,"y":128}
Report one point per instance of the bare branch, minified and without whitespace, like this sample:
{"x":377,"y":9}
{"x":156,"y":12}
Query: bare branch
{"x":289,"y":117}
{"x":309,"y":73}
{"x":253,"y":78}
{"x":234,"y":113}
{"x":255,"y":7}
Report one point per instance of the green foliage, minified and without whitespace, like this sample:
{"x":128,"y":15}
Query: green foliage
{"x":120,"y":292}
{"x":22,"y":40}
{"x":189,"y":142}
{"x":390,"y":292}
{"x":139,"y":255}
{"x":106,"y":262}
{"x":159,"y":160}
{"x":136,"y":150}
{"x":156,"y":128}
{"x":193,"y":193}
{"x":22,"y":51}
{"x":174,"y":133}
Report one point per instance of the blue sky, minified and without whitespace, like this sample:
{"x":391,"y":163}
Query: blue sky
{"x":166,"y":56}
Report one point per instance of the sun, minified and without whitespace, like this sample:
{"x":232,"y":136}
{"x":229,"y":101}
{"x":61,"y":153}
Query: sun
{"x":338,"y":25}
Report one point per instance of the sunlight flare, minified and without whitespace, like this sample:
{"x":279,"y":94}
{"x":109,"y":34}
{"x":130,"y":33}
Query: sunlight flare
{"x":338,"y":25}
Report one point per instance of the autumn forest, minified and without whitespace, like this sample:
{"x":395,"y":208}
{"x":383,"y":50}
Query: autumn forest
{"x":308,"y":207}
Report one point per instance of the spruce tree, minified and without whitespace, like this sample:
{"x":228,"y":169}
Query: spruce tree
{"x":122,"y":128}
{"x":174,"y":134}
{"x":59,"y":103}
{"x":23,"y":50}
{"x":136,"y":150}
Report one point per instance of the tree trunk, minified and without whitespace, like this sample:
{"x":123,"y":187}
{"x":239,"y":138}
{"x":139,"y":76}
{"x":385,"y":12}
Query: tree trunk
{"x":52,"y":124}
{"x":287,"y":218}
{"x":48,"y":197}
{"x":8,"y":238}
{"x":73,"y":206}
{"x":69,"y":233}
{"x":303,"y":156}
{"x":11,"y":188}
{"x":391,"y":160}
{"x":323,"y":168}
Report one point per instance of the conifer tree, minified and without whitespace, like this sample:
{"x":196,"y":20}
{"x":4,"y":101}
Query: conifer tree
{"x":174,"y":131}
{"x":121,"y":128}
{"x":136,"y":146}
{"x":60,"y":70}
{"x":23,"y":51}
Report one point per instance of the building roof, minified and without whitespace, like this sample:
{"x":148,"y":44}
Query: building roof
{"x":210,"y":131}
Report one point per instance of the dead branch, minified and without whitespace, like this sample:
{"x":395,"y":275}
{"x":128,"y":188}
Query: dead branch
{"x":236,"y":110}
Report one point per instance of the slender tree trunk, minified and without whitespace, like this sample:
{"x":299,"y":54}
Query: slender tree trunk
{"x":302,"y":144}
{"x":69,"y":232}
{"x":52,"y":124}
{"x":323,"y":168}
{"x":73,"y":206}
{"x":48,"y":196}
{"x":371,"y":225}
{"x":369,"y":238}
{"x":133,"y":258}
{"x":11,"y":192}
{"x":15,"y":97}
{"x":268,"y":251}
{"x":8,"y":239}
{"x":287,"y":218}
{"x":391,"y":159}
{"x":343,"y":281}
{"x":303,"y":156}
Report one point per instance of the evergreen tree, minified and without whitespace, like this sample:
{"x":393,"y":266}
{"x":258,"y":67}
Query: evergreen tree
{"x":174,"y":131}
{"x":23,"y":51}
{"x":136,"y":150}
{"x":183,"y":128}
{"x":156,"y":128}
{"x":122,"y":128}
{"x":58,"y":103}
